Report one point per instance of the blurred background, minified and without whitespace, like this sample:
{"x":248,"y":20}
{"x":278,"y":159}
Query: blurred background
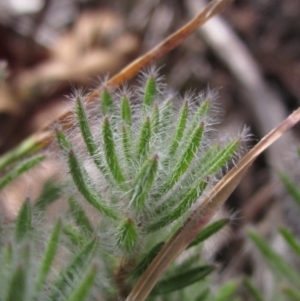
{"x":250,"y":55}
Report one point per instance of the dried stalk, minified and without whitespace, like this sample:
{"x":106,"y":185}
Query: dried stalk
{"x":202,"y":215}
{"x":44,"y":137}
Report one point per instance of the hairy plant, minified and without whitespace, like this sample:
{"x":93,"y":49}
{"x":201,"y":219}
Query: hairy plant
{"x":287,"y":276}
{"x":154,"y":157}
{"x":147,"y":179}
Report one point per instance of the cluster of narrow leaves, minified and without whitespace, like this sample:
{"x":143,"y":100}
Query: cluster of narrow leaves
{"x":27,"y":257}
{"x":286,"y":274}
{"x":146,"y":161}
{"x":29,"y":247}
{"x":143,"y":162}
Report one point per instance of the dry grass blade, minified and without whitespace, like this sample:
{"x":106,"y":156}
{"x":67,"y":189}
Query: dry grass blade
{"x":201,"y":216}
{"x":213,"y":8}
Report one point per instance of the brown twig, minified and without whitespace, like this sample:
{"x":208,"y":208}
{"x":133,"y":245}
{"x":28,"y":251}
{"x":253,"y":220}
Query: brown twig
{"x":202,"y":215}
{"x":44,"y":137}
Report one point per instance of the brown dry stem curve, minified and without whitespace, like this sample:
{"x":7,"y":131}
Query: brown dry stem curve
{"x":202,"y":215}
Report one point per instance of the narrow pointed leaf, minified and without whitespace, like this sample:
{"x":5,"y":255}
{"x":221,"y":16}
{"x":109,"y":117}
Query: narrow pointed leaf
{"x":291,"y":294}
{"x":127,"y":144}
{"x":17,"y":287}
{"x":220,"y":158}
{"x":127,"y":235}
{"x":80,"y":217}
{"x":48,"y":257}
{"x":291,"y":240}
{"x":182,"y":280}
{"x":110,"y":152}
{"x":181,"y":124}
{"x":50,"y":193}
{"x":144,"y":139}
{"x":150,"y":91}
{"x":84,"y":287}
{"x":184,"y":161}
{"x":25,"y":256}
{"x":165,"y":118}
{"x":208,"y":231}
{"x":88,"y":137}
{"x":155,"y":118}
{"x":291,"y":187}
{"x":145,"y":262}
{"x":76,"y":266}
{"x":76,"y":237}
{"x":202,"y":112}
{"x":276,"y":262}
{"x":23,"y":223}
{"x":84,"y":188}
{"x":226,"y":291}
{"x":27,"y":147}
{"x":143,"y":183}
{"x":7,"y":256}
{"x":63,"y":142}
{"x":126,"y":111}
{"x":203,"y":296}
{"x":192,"y":196}
{"x":106,"y":103}
{"x":254,"y":292}
{"x":19,"y":170}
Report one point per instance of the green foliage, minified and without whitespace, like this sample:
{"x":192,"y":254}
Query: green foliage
{"x":181,"y":280}
{"x":140,"y":169}
{"x":287,"y":274}
{"x":19,"y":170}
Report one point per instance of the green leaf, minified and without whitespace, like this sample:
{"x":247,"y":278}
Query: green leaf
{"x":220,"y":158}
{"x":84,"y":188}
{"x":276,"y":262}
{"x":88,"y":137}
{"x":84,"y":288}
{"x":226,"y":291}
{"x":181,"y":124}
{"x":110,"y":152}
{"x":17,"y":288}
{"x":165,"y":118}
{"x":7,"y":256}
{"x":63,"y":142}
{"x":127,"y":144}
{"x":208,"y":231}
{"x":126,"y":111}
{"x":76,"y":237}
{"x":291,"y":294}
{"x":202,"y":112}
{"x":106,"y":103}
{"x":144,"y":139}
{"x":291,"y":240}
{"x":23,"y":222}
{"x":127,"y":235}
{"x":181,"y":280}
{"x":203,"y":296}
{"x":143,"y":183}
{"x":191,"y":196}
{"x":155,"y":119}
{"x":50,"y":193}
{"x":290,"y":187}
{"x":76,"y":267}
{"x":254,"y":292}
{"x":19,"y":170}
{"x":27,"y":147}
{"x":80,"y":217}
{"x":48,"y":257}
{"x":150,"y":91}
{"x":148,"y":258}
{"x":184,"y":161}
